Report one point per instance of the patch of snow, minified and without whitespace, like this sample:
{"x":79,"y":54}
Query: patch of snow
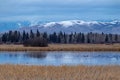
{"x":20,"y":25}
{"x":66,"y":23}
{"x":50,"y":24}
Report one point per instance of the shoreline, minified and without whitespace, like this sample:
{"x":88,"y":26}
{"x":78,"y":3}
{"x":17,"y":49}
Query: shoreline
{"x":63,"y":47}
{"x":22,"y":72}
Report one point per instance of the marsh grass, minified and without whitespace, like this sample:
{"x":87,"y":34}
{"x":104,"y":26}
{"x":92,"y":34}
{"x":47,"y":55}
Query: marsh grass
{"x":19,"y":72}
{"x":63,"y":47}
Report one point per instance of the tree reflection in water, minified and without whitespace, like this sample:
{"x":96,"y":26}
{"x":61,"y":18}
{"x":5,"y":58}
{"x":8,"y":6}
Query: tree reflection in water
{"x":37,"y":55}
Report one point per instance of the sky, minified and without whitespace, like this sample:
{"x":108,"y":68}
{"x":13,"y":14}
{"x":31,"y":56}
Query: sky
{"x":58,"y":10}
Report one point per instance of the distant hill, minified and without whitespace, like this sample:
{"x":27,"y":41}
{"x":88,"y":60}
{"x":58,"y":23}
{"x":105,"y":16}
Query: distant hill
{"x":77,"y":26}
{"x":13,"y":25}
{"x":65,"y":26}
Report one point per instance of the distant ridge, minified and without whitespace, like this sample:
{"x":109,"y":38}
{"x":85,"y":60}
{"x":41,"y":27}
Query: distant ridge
{"x":77,"y":26}
{"x":64,"y":26}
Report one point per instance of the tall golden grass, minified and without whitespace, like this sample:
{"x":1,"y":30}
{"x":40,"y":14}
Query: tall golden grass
{"x":63,"y":47}
{"x":19,"y":72}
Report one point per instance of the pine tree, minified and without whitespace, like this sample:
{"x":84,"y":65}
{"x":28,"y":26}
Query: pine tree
{"x":38,"y":33}
{"x":10,"y":36}
{"x":45,"y":35}
{"x":54,"y":37}
{"x":4,"y":37}
{"x":82,"y":38}
{"x":23,"y":36}
{"x":106,"y":39}
{"x":31,"y":34}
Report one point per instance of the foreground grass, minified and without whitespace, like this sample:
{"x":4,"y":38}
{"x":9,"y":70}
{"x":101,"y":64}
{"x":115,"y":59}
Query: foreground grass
{"x":63,"y":47}
{"x":18,"y":72}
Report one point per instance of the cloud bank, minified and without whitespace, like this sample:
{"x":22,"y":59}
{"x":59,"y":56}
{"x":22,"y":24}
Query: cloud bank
{"x":12,"y":10}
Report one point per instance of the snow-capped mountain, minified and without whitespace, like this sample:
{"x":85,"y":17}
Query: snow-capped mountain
{"x":77,"y":26}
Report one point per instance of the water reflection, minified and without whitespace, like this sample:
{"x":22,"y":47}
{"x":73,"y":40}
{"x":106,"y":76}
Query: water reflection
{"x":38,"y":55}
{"x":60,"y":58}
{"x":12,"y":55}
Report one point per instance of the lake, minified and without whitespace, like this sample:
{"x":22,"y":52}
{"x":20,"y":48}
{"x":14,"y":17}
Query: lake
{"x":58,"y":58}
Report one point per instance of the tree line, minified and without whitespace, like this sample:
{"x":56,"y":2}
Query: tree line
{"x":61,"y":37}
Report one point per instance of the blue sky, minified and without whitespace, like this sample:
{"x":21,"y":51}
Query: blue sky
{"x":57,"y":10}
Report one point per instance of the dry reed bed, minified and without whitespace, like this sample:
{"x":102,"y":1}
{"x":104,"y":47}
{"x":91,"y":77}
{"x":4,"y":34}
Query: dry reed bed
{"x":63,"y":47}
{"x":19,"y":72}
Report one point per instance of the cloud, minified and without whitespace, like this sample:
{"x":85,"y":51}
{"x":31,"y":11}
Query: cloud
{"x":28,"y":3}
{"x":49,"y":9}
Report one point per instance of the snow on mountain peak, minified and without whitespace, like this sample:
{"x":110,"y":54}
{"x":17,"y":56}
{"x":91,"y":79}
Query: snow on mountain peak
{"x":69,"y":23}
{"x":49,"y":24}
{"x":80,"y":26}
{"x":66,"y":23}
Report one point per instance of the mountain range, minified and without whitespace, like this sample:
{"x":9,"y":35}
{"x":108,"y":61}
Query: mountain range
{"x":64,"y":26}
{"x":77,"y":26}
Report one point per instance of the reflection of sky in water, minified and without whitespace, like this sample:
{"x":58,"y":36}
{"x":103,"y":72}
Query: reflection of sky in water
{"x":60,"y":58}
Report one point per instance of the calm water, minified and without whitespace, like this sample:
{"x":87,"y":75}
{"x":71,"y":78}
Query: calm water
{"x":60,"y":58}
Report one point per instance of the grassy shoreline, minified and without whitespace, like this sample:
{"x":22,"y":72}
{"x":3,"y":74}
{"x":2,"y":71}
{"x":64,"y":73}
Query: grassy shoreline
{"x":63,"y":47}
{"x":21,"y":72}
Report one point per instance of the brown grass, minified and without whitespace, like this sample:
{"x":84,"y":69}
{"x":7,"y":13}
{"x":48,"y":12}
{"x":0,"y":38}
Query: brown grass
{"x":19,"y":72}
{"x":63,"y":47}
